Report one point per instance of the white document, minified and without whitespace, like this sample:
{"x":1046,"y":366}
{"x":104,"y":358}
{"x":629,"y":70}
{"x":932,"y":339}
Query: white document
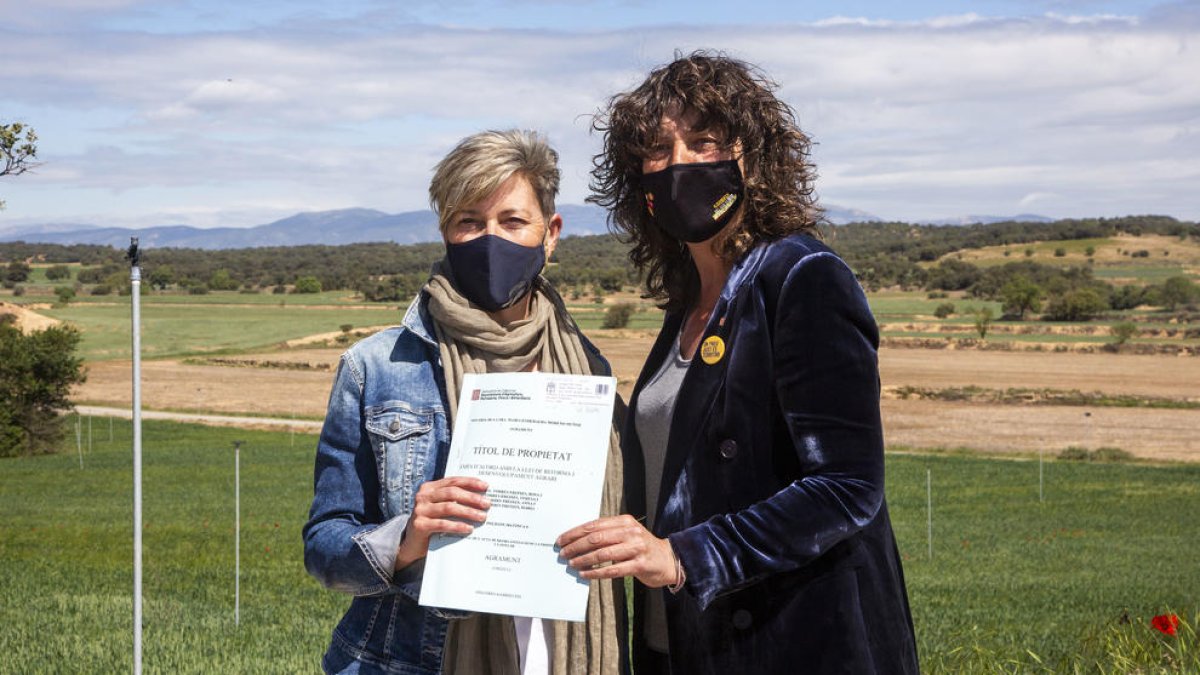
{"x":540,"y":441}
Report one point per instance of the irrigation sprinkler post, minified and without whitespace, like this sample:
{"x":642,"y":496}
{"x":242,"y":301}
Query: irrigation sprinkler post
{"x":135,"y":278}
{"x":237,"y":530}
{"x":89,"y":433}
{"x":78,"y":440}
{"x":929,"y":509}
{"x":1041,"y":474}
{"x":110,"y":429}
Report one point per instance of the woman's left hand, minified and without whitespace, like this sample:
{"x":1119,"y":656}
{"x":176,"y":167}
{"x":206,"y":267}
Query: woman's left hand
{"x":622,"y":542}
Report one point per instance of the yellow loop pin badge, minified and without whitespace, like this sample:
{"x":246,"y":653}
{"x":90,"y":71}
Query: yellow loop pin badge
{"x":712,"y":349}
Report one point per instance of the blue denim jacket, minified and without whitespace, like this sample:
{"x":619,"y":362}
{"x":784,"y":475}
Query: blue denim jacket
{"x":385,"y":433}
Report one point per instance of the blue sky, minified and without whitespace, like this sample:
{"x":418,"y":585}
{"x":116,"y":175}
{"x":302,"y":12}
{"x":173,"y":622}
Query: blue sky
{"x":238,"y":113}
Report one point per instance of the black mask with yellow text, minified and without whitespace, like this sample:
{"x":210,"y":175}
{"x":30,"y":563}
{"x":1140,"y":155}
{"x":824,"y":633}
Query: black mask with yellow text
{"x":693,"y":202}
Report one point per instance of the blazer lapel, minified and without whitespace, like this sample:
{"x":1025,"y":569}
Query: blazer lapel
{"x":703,"y":380}
{"x":696,"y":395}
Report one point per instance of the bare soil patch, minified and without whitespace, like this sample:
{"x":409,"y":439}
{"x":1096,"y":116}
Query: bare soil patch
{"x":1148,"y":433}
{"x":171,"y":385}
{"x":1168,"y":376}
{"x":27,"y":320}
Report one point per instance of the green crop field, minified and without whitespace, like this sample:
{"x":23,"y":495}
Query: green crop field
{"x":170,"y":330}
{"x":1144,"y":274}
{"x":1010,"y":575}
{"x":178,"y":330}
{"x":909,"y":305}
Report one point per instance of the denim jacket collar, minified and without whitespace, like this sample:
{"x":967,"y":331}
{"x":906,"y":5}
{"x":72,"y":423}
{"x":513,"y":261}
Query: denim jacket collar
{"x":418,"y":321}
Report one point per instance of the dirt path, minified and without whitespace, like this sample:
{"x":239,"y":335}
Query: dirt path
{"x":198,"y":418}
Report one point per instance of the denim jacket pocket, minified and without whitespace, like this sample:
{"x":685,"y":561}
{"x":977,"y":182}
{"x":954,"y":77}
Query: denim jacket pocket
{"x":404,"y":447}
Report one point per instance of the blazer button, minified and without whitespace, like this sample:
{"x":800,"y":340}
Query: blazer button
{"x":741,"y":619}
{"x":728,"y":448}
{"x":394,"y":426}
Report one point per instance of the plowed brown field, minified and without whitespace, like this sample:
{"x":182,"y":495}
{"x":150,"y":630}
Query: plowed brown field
{"x":1150,"y":433}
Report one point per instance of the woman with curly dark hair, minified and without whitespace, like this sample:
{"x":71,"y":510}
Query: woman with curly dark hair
{"x":754,"y":451}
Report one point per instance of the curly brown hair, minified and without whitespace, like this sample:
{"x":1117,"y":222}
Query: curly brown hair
{"x":736,"y":100}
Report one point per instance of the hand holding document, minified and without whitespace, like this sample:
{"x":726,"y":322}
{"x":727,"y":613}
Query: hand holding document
{"x":540,"y":441}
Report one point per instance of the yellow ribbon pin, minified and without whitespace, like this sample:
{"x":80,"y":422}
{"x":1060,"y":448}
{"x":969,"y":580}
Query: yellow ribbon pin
{"x":712,"y":349}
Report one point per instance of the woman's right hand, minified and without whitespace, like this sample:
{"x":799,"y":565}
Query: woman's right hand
{"x":435,"y":507}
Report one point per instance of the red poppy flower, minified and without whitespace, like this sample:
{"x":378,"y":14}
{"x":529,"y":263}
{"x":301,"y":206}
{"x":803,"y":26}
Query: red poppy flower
{"x":1166,"y":624}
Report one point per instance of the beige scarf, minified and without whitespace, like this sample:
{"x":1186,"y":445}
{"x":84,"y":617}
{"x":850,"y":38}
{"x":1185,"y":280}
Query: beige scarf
{"x":472,"y":342}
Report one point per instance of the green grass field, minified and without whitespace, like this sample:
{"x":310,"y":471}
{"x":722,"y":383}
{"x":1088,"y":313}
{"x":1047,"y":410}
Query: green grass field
{"x":179,"y":330}
{"x":1009,"y":574}
{"x":1136,"y":273}
{"x":240,"y":323}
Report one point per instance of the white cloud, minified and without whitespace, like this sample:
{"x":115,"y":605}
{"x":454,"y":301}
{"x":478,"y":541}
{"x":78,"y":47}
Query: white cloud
{"x":1075,"y":115}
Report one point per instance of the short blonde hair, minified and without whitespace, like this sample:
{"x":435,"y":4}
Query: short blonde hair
{"x":481,"y":162}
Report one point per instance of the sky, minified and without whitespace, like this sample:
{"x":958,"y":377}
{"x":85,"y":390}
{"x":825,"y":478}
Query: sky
{"x":237,"y":113}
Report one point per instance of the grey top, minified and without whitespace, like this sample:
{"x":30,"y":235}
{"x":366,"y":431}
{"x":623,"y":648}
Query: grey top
{"x":652,"y":417}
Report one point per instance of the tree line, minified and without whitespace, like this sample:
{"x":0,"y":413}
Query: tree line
{"x":882,"y":255}
{"x":382,"y":271}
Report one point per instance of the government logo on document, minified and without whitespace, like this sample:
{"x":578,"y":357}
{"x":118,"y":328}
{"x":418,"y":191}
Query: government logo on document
{"x":474,"y":394}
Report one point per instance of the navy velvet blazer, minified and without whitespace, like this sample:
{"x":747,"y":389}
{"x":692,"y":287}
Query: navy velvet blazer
{"x":772,"y":487}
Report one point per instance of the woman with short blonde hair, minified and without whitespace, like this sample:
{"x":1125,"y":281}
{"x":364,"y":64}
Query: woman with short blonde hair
{"x":379,"y":490}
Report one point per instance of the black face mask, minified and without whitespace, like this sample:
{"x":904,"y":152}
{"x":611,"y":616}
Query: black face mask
{"x":692,"y":202}
{"x":493,"y":272}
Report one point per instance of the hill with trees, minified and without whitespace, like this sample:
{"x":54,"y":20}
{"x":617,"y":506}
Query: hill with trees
{"x":934,"y":258}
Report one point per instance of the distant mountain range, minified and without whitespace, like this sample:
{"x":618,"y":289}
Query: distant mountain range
{"x":349,"y":226}
{"x":987,"y":220}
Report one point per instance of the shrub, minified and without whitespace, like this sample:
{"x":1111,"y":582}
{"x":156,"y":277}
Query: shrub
{"x":983,"y":321}
{"x":1105,"y":454}
{"x":198,"y":289}
{"x":1121,"y":332}
{"x":101,"y":289}
{"x":307,"y":285}
{"x":1127,"y":297}
{"x":1060,"y":252}
{"x":65,"y":294}
{"x":1177,"y":290}
{"x":222,"y":280}
{"x":18,"y":291}
{"x":1020,"y":295}
{"x":1081,"y":304}
{"x":17,"y":272}
{"x":1028,"y":253}
{"x":1090,"y":251}
{"x":1074,"y":453}
{"x":1141,"y":254}
{"x":618,"y":315}
{"x":38,"y":372}
{"x":1108,"y":454}
{"x":56,"y":272}
{"x":944,"y":310}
